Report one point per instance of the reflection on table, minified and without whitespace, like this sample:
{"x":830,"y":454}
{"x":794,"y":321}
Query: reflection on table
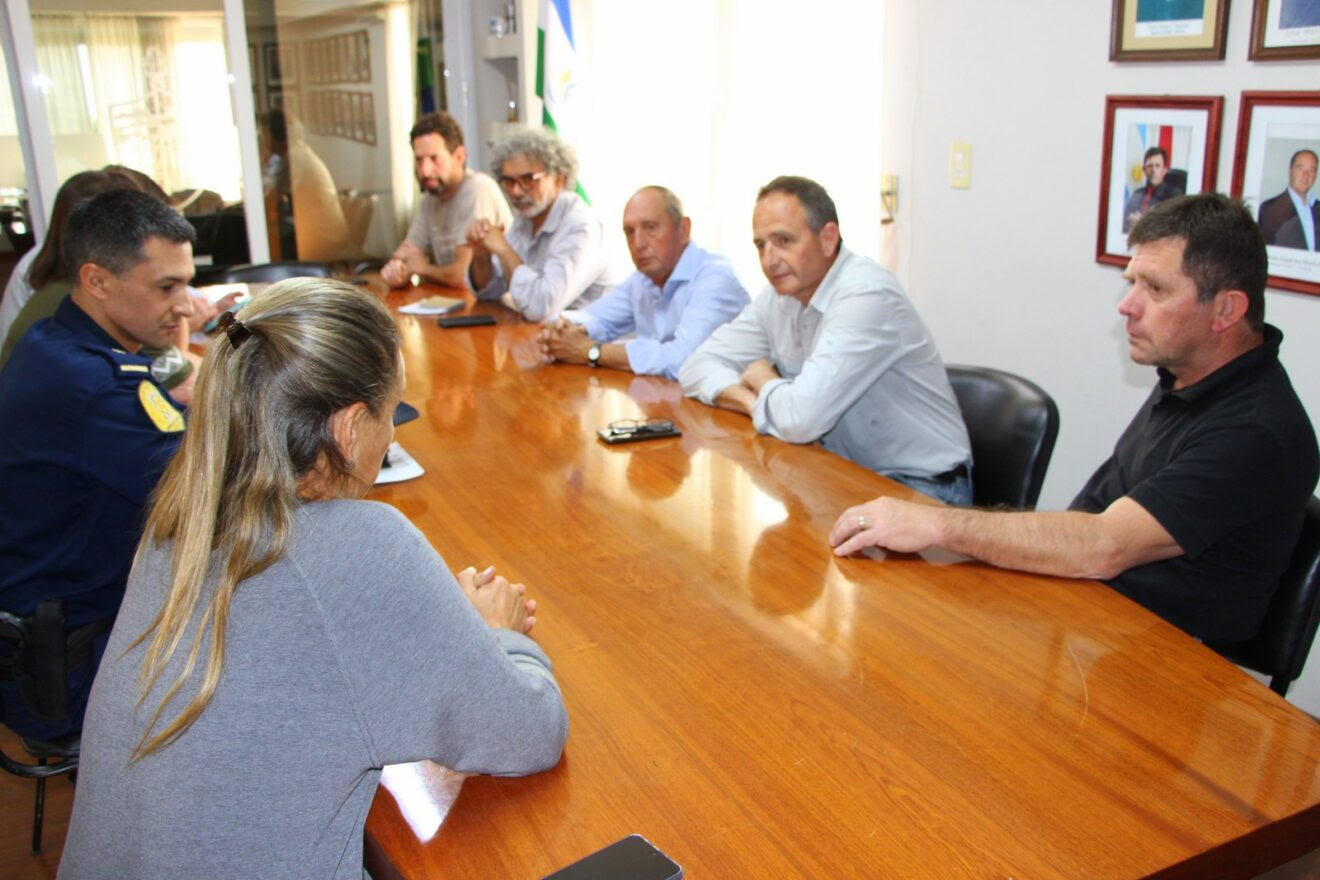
{"x":757,"y":708}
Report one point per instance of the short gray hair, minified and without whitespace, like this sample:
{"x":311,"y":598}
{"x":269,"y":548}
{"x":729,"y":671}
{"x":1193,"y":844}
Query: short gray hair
{"x":673,"y":206}
{"x":541,"y":145}
{"x":817,"y":204}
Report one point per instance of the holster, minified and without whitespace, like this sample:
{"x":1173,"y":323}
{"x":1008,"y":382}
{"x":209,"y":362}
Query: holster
{"x":42,"y":656}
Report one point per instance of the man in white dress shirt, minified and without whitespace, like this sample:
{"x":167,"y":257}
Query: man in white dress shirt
{"x":833,"y":351}
{"x":553,"y":255}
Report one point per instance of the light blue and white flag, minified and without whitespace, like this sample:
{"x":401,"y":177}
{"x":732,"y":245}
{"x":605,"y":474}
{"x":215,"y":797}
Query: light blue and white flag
{"x":558,"y":79}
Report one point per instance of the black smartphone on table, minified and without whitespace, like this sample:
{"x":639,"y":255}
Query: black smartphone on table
{"x":465,"y":321}
{"x":632,"y":430}
{"x":633,"y":858}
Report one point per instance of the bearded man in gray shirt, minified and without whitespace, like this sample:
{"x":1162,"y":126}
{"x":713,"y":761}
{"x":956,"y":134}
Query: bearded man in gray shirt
{"x":833,"y":351}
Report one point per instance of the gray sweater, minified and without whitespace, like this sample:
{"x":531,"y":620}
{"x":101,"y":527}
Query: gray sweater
{"x":355,"y":650}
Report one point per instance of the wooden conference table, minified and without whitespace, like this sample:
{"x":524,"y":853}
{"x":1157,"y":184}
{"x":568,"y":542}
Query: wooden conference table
{"x":758,"y":708}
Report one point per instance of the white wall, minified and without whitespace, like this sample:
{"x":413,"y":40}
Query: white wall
{"x":713,"y":100}
{"x":1004,"y":272}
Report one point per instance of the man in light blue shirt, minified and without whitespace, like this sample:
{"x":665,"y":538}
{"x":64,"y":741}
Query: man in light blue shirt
{"x":676,"y":298}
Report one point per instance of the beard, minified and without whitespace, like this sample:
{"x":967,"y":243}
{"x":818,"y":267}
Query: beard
{"x":530,"y":207}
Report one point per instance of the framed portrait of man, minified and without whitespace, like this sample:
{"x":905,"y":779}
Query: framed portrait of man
{"x":1168,"y":30}
{"x":1155,"y":148}
{"x":274,"y":73}
{"x":1284,"y":29}
{"x":1274,"y":173}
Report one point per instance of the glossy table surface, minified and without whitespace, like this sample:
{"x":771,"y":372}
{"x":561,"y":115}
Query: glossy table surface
{"x":758,"y":708}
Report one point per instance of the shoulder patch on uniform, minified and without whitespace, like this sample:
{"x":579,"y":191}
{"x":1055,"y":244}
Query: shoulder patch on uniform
{"x":163,"y":415}
{"x":134,"y":368}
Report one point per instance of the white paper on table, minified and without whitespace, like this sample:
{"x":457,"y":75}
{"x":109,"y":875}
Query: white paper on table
{"x":402,"y":466}
{"x":432,"y":305}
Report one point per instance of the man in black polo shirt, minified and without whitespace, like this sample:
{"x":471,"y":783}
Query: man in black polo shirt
{"x":1197,"y":511}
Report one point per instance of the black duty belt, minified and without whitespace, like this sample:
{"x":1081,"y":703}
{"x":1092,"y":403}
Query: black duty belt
{"x":43,"y":653}
{"x":948,"y":477}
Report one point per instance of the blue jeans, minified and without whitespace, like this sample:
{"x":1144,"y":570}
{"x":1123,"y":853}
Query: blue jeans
{"x":955,"y":490}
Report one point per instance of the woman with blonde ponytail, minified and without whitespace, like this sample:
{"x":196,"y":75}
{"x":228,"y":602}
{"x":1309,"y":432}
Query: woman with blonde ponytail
{"x":281,"y":640}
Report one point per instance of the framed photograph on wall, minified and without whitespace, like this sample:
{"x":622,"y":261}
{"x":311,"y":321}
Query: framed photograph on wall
{"x":369,"y":109}
{"x":1155,"y":148}
{"x":271,"y":53}
{"x":1168,"y":30}
{"x":1274,"y":173}
{"x":363,"y":56}
{"x":288,"y":60}
{"x":314,"y":113}
{"x":1282,"y":29}
{"x":311,"y":54}
{"x":343,"y":115}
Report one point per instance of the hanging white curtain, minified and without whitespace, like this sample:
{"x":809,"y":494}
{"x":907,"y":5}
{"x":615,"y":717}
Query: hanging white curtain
{"x":116,"y":61}
{"x":58,"y":38}
{"x":153,"y":90}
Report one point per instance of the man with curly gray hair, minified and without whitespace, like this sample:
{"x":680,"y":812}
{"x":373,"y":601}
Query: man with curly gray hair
{"x":553,"y":255}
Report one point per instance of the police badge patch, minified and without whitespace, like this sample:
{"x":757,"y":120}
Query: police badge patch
{"x":165,"y":417}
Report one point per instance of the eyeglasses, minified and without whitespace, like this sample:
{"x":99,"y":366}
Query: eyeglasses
{"x":626,"y":427}
{"x":522,"y":181}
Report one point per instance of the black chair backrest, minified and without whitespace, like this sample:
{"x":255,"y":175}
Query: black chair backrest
{"x":1280,"y":648}
{"x":222,"y":235}
{"x":1013,"y":424}
{"x":268,"y":272}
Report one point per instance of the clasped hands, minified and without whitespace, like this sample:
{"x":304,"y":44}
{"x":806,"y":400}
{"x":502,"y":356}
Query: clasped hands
{"x":564,"y":340}
{"x":401,"y":268}
{"x":500,"y":603}
{"x":486,"y":238}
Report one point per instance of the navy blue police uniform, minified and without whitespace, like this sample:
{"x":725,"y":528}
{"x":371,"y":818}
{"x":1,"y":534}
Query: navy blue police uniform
{"x":87,"y":434}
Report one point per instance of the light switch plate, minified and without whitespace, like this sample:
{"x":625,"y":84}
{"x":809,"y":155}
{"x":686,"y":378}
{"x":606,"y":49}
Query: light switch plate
{"x":889,"y":196}
{"x":960,"y":165}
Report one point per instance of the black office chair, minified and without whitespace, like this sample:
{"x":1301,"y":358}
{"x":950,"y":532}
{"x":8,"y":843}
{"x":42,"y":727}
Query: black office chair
{"x":268,"y":272}
{"x":1013,"y":424}
{"x":41,"y":672}
{"x":1280,"y":648}
{"x":221,"y":235}
{"x":64,"y":754}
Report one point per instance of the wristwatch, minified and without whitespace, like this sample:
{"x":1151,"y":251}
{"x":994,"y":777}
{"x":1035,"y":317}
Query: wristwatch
{"x":593,"y":355}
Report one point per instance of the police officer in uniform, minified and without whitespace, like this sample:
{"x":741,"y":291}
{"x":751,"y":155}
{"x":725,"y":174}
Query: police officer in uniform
{"x":87,"y":433}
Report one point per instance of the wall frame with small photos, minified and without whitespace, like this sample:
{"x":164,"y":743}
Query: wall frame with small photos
{"x":344,"y":114}
{"x":342,"y":58}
